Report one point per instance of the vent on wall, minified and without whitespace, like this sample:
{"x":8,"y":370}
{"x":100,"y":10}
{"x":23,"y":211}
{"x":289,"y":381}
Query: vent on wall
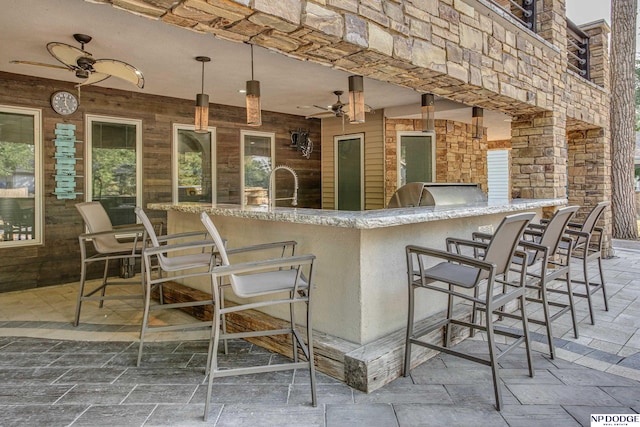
{"x":498,"y":174}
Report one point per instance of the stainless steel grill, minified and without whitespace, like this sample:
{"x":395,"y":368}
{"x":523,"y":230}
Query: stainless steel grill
{"x":436,"y":194}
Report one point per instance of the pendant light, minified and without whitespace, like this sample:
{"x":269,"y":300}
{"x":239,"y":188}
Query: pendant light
{"x":356,"y":99}
{"x":254,"y":113}
{"x":428,"y":112}
{"x":202,"y":103}
{"x":477,"y":122}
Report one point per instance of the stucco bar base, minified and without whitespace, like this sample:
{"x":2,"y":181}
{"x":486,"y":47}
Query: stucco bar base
{"x":360,"y":294}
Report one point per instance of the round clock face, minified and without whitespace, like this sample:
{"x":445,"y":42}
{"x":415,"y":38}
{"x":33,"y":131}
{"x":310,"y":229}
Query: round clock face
{"x":64,"y":102}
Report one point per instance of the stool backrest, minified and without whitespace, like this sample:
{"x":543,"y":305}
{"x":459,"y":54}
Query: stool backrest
{"x":554,"y":230}
{"x":505,"y":240}
{"x":97,"y":220}
{"x":592,"y":220}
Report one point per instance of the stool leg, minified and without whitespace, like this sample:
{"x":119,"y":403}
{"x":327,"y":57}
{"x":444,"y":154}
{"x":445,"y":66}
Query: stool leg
{"x":604,"y":289}
{"x":547,"y":317}
{"x":492,"y":356}
{"x":572,"y":305}
{"x":447,"y":326}
{"x":407,"y":348}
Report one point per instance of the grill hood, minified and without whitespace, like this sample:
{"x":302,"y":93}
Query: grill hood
{"x":436,"y":194}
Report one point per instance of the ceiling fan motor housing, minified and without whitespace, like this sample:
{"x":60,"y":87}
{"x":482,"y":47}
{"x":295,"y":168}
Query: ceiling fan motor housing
{"x":82,"y":74}
{"x":86,"y":63}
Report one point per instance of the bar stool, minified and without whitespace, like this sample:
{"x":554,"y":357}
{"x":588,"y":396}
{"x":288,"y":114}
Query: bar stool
{"x":275,"y":281}
{"x":463,"y":274}
{"x":544,"y":264}
{"x":587,"y":247}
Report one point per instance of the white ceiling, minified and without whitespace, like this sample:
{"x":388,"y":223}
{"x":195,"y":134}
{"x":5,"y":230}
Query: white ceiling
{"x":166,"y":56}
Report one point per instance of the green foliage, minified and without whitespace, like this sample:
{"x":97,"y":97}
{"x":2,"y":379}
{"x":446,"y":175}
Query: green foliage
{"x":114,"y":172}
{"x":15,"y":157}
{"x":256,"y":171}
{"x":190,"y":168}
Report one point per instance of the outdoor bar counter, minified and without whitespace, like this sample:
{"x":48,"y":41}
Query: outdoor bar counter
{"x":360,"y":294}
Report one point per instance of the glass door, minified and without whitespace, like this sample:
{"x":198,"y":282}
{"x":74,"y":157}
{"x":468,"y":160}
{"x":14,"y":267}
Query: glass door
{"x":349,"y":167}
{"x":114,"y":173}
{"x":257,"y":150}
{"x":416,"y":152}
{"x":20,"y":176}
{"x":193,"y":165}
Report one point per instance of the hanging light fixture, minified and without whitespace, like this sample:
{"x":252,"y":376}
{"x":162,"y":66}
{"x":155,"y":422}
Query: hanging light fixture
{"x":477,"y":122}
{"x":356,"y":99}
{"x":254,"y":113}
{"x":428,"y":112}
{"x":202,"y":103}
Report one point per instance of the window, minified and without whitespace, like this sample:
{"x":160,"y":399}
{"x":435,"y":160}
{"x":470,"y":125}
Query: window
{"x":416,"y":152}
{"x":349,"y":166}
{"x":20,"y":177}
{"x":256,"y":150}
{"x":193,"y":165}
{"x":113,"y":166}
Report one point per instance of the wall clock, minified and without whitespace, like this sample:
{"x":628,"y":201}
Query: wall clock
{"x":64,"y":102}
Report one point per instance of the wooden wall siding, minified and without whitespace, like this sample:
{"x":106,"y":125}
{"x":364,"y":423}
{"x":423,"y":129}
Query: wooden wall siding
{"x":57,"y":261}
{"x":373,"y":130}
{"x":459,"y":158}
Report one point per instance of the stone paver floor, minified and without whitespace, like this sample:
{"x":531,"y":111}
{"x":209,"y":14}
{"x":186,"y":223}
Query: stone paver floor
{"x":55,"y":375}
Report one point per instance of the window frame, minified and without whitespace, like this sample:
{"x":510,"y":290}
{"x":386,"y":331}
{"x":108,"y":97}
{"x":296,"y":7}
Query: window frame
{"x":272,"y":147}
{"x":336,"y":141}
{"x":89,"y":120}
{"x":38,"y":176}
{"x":399,"y":135}
{"x":174,"y":160}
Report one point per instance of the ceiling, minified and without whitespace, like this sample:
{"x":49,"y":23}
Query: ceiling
{"x":166,"y":56}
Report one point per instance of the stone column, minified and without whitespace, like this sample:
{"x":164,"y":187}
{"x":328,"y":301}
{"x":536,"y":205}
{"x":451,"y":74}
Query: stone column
{"x":589,"y":155}
{"x":551,"y":20}
{"x":539,"y":155}
{"x":598,"y":33}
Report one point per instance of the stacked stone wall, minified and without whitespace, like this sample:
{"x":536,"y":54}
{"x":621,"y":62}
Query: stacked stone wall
{"x":459,"y":158}
{"x":589,"y":158}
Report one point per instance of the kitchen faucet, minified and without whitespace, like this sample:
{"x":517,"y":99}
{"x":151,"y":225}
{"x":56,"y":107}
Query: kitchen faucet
{"x":272,"y":181}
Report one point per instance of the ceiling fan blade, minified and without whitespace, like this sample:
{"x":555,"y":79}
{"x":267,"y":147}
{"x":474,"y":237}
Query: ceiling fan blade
{"x":94,"y":78}
{"x":322,"y":115}
{"x":121,"y":70}
{"x":66,"y":54}
{"x":40,"y":64}
{"x":323,"y":108}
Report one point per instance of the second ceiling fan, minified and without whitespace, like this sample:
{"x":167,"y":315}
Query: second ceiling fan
{"x":337,"y":109}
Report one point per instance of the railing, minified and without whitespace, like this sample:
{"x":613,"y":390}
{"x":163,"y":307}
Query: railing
{"x":577,"y":50}
{"x":523,"y":11}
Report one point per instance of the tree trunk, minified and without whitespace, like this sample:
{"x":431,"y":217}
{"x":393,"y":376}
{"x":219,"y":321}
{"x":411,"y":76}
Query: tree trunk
{"x":623,"y":141}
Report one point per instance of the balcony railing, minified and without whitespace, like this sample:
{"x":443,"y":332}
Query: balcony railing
{"x":577,"y":50}
{"x":523,"y":11}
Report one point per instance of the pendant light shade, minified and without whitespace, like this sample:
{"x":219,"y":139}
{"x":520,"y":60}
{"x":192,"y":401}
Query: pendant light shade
{"x":477,"y":122}
{"x":202,"y":103}
{"x":428,"y":112}
{"x":254,"y":111}
{"x":356,"y":99}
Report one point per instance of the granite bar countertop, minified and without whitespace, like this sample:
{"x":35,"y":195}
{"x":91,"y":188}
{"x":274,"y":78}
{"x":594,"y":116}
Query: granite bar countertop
{"x":361,"y":219}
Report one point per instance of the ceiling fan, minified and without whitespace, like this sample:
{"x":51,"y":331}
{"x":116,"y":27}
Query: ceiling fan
{"x":85,"y":66}
{"x":337,"y":109}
